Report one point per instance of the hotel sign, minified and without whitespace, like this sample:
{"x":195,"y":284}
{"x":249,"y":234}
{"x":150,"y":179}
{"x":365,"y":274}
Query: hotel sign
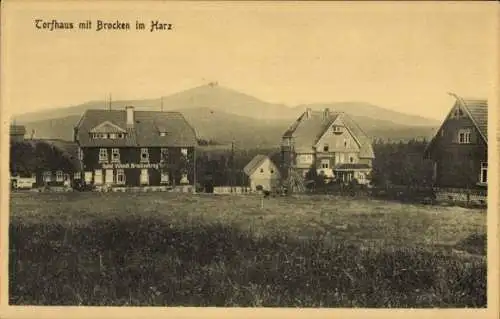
{"x":130,"y":165}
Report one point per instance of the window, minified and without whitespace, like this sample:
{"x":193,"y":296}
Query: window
{"x":163,"y":133}
{"x":120,"y":177}
{"x":163,"y":155}
{"x":351,"y":159}
{"x":341,"y":158}
{"x":88,"y":177}
{"x":144,"y":155}
{"x":80,"y":154}
{"x":345,"y":142}
{"x":484,"y":172}
{"x":77,"y":175}
{"x":59,"y":176}
{"x":326,"y":147}
{"x":115,"y":155}
{"x":458,"y":112}
{"x":184,"y":151}
{"x":286,"y":142}
{"x":47,"y":176}
{"x":325,"y":163}
{"x":262,"y":170}
{"x":336,"y":129}
{"x":120,"y":135}
{"x":165,"y":179}
{"x":112,"y":136}
{"x":98,"y":176}
{"x":464,"y":136}
{"x":272,"y":171}
{"x":144,"y":177}
{"x":103,"y":155}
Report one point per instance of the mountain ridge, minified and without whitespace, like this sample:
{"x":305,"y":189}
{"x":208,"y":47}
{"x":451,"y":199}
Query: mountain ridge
{"x":224,"y":114}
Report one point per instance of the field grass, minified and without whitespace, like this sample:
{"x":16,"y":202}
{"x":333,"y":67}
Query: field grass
{"x":168,"y":249}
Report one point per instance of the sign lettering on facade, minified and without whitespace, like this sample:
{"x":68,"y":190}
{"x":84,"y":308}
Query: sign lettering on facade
{"x":130,"y":165}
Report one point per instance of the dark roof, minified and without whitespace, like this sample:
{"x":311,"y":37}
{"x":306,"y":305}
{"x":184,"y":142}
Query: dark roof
{"x":307,"y":131}
{"x":17,"y":130}
{"x":477,"y":109}
{"x":250,"y":168}
{"x":144,"y":133}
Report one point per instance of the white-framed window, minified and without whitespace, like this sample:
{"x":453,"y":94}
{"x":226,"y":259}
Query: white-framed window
{"x":484,"y":172}
{"x":88,"y":177}
{"x":120,"y":177}
{"x":464,"y":136}
{"x":340,"y":158}
{"x":115,"y":155}
{"x":163,"y":133}
{"x":77,"y":175}
{"x":325,"y":163}
{"x":98,"y":176}
{"x":112,"y":136}
{"x":103,"y":155}
{"x":59,"y":176}
{"x":144,"y":155}
{"x":165,"y":178}
{"x":47,"y":176}
{"x":144,"y":176}
{"x":326,"y":148}
{"x":184,"y":151}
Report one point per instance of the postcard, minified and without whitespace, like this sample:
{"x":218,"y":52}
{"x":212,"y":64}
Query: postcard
{"x":247,"y":159}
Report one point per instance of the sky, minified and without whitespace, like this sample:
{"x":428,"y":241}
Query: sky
{"x":401,"y":56}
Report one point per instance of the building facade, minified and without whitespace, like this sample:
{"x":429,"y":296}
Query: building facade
{"x":330,"y":143}
{"x":459,"y":149}
{"x":135,"y":148}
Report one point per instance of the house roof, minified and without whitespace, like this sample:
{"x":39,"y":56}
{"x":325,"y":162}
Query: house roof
{"x":17,"y":130}
{"x":144,"y":133}
{"x":476,"y":109}
{"x":307,"y":131}
{"x":250,"y":168}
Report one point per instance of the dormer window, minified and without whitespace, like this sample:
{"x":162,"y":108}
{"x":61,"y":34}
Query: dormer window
{"x":464,"y":136}
{"x":144,"y":155}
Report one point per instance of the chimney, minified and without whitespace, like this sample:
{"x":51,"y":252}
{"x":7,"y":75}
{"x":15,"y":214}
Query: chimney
{"x":308,"y":113}
{"x":130,"y":115}
{"x":326,"y":113}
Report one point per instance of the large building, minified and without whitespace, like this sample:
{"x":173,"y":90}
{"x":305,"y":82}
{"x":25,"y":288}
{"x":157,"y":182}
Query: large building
{"x":329,"y":142}
{"x":459,"y":149}
{"x":135,"y":148}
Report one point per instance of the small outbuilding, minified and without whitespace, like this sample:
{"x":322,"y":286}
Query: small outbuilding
{"x":262,"y":173}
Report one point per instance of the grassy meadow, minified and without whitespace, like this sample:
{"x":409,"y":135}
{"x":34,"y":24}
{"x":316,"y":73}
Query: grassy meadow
{"x":174,"y":249}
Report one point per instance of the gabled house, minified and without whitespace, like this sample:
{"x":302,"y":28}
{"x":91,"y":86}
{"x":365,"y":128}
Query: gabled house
{"x":262,"y":173}
{"x":135,"y":148}
{"x":330,"y":143}
{"x":459,"y":149}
